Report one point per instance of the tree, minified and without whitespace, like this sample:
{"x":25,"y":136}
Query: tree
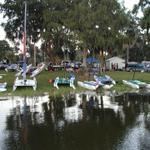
{"x":82,"y":24}
{"x":145,"y":24}
{"x":5,"y":49}
{"x":144,"y":6}
{"x":14,"y":27}
{"x":97,"y":24}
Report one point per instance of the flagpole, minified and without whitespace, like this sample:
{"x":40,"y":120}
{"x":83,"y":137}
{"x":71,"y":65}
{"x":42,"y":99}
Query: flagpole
{"x":24,"y":43}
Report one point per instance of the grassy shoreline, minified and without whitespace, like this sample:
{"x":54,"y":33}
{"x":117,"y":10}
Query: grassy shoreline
{"x":44,"y":87}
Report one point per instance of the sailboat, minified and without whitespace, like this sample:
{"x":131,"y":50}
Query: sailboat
{"x":106,"y":82}
{"x":24,"y":82}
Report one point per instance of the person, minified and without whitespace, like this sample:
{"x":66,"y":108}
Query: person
{"x":112,"y":66}
{"x":117,"y":66}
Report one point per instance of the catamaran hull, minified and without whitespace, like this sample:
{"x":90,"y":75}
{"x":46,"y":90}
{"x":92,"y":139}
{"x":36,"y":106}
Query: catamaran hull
{"x":60,"y":81}
{"x":25,"y":83}
{"x":102,"y":81}
{"x":88,"y":85}
{"x":26,"y":71}
{"x":38,"y":70}
{"x":3,"y":85}
{"x":107,"y":86}
{"x":3,"y":89}
{"x":138,"y":85}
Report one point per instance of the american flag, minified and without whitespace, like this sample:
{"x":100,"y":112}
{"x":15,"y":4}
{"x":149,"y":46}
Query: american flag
{"x":24,"y":43}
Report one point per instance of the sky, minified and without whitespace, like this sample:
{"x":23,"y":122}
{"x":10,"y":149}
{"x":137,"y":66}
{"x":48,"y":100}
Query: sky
{"x":127,"y":3}
{"x":2,"y":33}
{"x":130,"y":3}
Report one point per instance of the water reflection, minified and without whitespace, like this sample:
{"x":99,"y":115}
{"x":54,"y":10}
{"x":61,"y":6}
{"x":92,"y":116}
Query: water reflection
{"x":76,"y":121}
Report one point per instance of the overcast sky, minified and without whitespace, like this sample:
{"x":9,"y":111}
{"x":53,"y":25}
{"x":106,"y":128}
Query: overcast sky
{"x":128,"y":4}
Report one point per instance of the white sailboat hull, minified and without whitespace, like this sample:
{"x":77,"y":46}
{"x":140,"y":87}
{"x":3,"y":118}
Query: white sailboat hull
{"x":135,"y":85}
{"x":91,"y":85}
{"x":106,"y":82}
{"x":38,"y":70}
{"x":25,"y":83}
{"x":3,"y":89}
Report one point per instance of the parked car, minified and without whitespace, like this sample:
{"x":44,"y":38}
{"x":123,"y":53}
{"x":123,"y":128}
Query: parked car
{"x":147,"y":68}
{"x":135,"y":67}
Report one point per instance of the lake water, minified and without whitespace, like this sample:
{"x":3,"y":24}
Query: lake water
{"x":77,"y":121}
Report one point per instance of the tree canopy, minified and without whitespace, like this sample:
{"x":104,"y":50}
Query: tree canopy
{"x":70,"y":24}
{"x":5,"y":49}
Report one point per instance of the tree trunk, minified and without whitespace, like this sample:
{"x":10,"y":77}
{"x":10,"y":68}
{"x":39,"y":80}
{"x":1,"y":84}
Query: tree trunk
{"x":84,"y":57}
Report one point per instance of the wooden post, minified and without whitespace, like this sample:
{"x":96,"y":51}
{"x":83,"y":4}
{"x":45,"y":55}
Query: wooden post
{"x":101,"y":60}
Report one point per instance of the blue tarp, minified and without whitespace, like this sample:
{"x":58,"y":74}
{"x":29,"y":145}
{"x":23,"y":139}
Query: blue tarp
{"x":91,"y":60}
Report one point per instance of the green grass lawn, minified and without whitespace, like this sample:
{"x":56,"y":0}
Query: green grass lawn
{"x":45,"y":87}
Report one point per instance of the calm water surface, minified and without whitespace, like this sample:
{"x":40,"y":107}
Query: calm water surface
{"x":77,"y":121}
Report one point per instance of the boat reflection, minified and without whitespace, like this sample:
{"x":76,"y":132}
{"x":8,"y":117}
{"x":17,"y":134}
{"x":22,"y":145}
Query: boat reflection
{"x":65,"y":122}
{"x":62,"y":110}
{"x":72,"y":111}
{"x":31,"y":106}
{"x":102,"y":102}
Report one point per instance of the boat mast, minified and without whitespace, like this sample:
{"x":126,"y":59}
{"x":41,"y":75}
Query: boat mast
{"x":24,"y":41}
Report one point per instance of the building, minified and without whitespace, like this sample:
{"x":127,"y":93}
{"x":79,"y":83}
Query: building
{"x":115,"y":63}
